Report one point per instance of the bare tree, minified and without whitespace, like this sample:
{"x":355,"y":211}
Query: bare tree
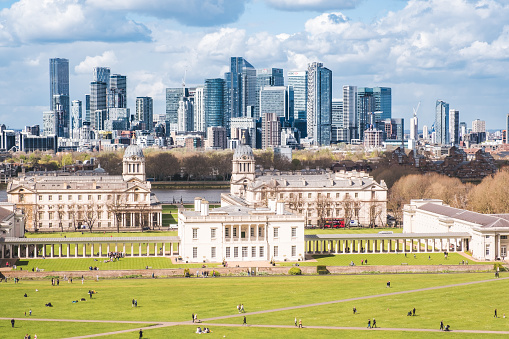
{"x":347,"y":204}
{"x":323,"y":205}
{"x":117,"y":206}
{"x":375,"y":213}
{"x":90,"y":214}
{"x":60,"y":215}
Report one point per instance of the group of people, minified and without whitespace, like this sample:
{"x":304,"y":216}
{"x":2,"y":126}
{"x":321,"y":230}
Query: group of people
{"x":364,"y":262}
{"x":240,"y":308}
{"x":205,"y":330}
{"x":115,"y":255}
{"x":194,"y":317}
{"x":300,"y":322}
{"x":55,"y":282}
{"x":27,"y":336}
{"x":95,"y":268}
{"x":411,"y":313}
{"x":134,"y":302}
{"x":372,"y":324}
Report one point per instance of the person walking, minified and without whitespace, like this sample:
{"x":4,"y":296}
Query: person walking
{"x":441,"y":325}
{"x":132,"y":303}
{"x":196,"y":317}
{"x":389,"y":284}
{"x":495,"y":316}
{"x":141,"y":334}
{"x":295,"y":321}
{"x":192,"y":316}
{"x":12,"y":323}
{"x":300,"y":323}
{"x":245,"y":322}
{"x":30,"y":312}
{"x":369,"y":323}
{"x":374,"y":323}
{"x":413,"y":311}
{"x":354,"y":310}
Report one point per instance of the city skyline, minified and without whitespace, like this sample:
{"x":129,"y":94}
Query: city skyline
{"x":404,"y":45}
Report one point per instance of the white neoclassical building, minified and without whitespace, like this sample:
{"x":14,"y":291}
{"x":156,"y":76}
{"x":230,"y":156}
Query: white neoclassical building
{"x":486,"y":234}
{"x":56,"y":201}
{"x":240,"y":233}
{"x":314,"y":194}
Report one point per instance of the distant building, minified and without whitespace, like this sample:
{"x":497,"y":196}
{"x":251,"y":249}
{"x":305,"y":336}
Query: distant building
{"x":12,"y":224}
{"x":59,"y":86}
{"x":76,"y":117}
{"x":271,"y":130}
{"x":185,"y":115}
{"x":299,"y":81}
{"x":240,"y":88}
{"x":373,"y":138}
{"x":454,"y":131}
{"x":442,"y":122}
{"x":278,"y":100}
{"x":349,"y":131}
{"x":478,"y":126}
{"x":337,"y":122}
{"x":244,"y":130}
{"x":214,"y":103}
{"x":319,"y":104}
{"x":173,"y":97}
{"x":199,"y":110}
{"x":98,"y":102}
{"x":145,"y":111}
{"x":217,"y":138}
{"x":117,"y":93}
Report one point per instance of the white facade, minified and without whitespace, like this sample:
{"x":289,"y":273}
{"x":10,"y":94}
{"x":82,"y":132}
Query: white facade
{"x":239,"y":233}
{"x":488,"y":233}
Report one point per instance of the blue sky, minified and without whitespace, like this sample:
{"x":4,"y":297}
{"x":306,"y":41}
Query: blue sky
{"x":454,"y":50}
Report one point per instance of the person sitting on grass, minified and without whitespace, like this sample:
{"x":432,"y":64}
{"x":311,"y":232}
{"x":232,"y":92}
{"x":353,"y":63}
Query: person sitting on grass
{"x":198,"y":330}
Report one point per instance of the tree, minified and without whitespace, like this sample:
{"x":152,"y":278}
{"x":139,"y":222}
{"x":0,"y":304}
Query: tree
{"x":196,"y":166}
{"x":90,"y":214}
{"x":117,"y":207}
{"x":161,"y":165}
{"x":74,"y":213}
{"x":323,"y":205}
{"x":347,"y":204}
{"x":111,"y":162}
{"x":60,"y":215}
{"x":491,"y":195}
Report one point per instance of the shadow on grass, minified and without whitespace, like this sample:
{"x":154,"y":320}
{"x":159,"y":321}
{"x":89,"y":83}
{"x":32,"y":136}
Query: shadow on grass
{"x":21,"y":263}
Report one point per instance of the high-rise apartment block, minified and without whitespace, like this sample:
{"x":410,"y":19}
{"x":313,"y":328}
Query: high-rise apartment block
{"x":117,"y":93}
{"x":478,"y":126}
{"x":76,"y":117}
{"x":214,"y":98}
{"x":349,"y":113}
{"x":299,"y":81}
{"x":442,"y":122}
{"x":173,"y":97}
{"x":454,"y":124}
{"x":319,"y":104}
{"x":145,"y":112}
{"x":337,"y":121}
{"x":271,"y":130}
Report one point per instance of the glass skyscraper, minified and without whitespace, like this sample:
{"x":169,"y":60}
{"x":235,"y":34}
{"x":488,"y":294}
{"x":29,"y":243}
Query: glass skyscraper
{"x":319,"y":104}
{"x":173,"y":97}
{"x":454,"y":126}
{"x":369,"y":101}
{"x":214,"y":103}
{"x":59,"y":94}
{"x":442,"y":122}
{"x":97,"y":102}
{"x":117,"y":95}
{"x":144,"y":111}
{"x":241,"y":87}
{"x":299,"y":81}
{"x":383,"y":101}
{"x":267,"y":77}
{"x":278,"y":100}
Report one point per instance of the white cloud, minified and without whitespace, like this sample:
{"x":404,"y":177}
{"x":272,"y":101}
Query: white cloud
{"x":107,"y":59}
{"x":312,"y":5}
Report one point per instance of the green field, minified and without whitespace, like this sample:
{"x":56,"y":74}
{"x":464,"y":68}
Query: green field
{"x":350,"y":230}
{"x":101,"y":234}
{"x":174,"y":300}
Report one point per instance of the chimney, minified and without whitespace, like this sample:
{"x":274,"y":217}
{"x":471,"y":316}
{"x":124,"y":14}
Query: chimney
{"x":204,"y":209}
{"x":280,"y":208}
{"x":272,"y":205}
{"x":197,"y":204}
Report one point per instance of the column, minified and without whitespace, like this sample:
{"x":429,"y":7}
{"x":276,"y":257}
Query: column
{"x":3,"y":251}
{"x":75,"y":250}
{"x":60,"y":251}
{"x":411,"y":245}
{"x":116,"y":247}
{"x":91,"y":250}
{"x":344,"y":246}
{"x":43,"y":250}
{"x":132,"y":249}
{"x":139,"y":253}
{"x":359,"y":245}
{"x":51,"y":251}
{"x":84,"y":250}
{"x":68,"y":250}
{"x":123,"y":247}
{"x":155,"y":250}
{"x":148,"y":249}
{"x":108,"y":249}
{"x":164,"y":249}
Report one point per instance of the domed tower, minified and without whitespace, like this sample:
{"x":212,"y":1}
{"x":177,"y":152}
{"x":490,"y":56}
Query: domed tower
{"x":243,"y":171}
{"x":134,"y":163}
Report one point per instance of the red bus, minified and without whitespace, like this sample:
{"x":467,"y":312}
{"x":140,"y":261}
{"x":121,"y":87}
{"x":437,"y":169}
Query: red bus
{"x":334,"y":223}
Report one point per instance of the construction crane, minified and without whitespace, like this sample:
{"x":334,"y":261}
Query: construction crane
{"x":416,"y":109}
{"x":184,"y":79}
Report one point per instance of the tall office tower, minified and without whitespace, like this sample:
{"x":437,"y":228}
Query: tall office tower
{"x":145,"y":112}
{"x":59,"y":79}
{"x":185,"y":115}
{"x":365,"y":107}
{"x":97,"y":101}
{"x":102,"y":74}
{"x":454,"y":126}
{"x":478,"y":126}
{"x":277,"y":99}
{"x":319,"y":104}
{"x":299,"y":81}
{"x":49,"y":123}
{"x":199,"y":110}
{"x":214,"y":98}
{"x":425,"y":132}
{"x":383,"y":101}
{"x":337,"y":120}
{"x":349,"y":112}
{"x":117,"y":94}
{"x":271,"y":130}
{"x":173,"y":96}
{"x":393,"y":129}
{"x":267,"y":77}
{"x":442,"y":122}
{"x":76,"y":117}
{"x":60,"y":102}
{"x":414,"y":128}
{"x":241,"y":87}
{"x":87,"y":108}
{"x":463,"y":129}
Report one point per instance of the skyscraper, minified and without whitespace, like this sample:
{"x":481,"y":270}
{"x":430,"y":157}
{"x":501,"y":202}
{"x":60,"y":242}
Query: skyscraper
{"x":59,"y":95}
{"x":185,"y":115}
{"x":299,"y":81}
{"x":173,"y":96}
{"x":337,"y":120}
{"x":349,"y":113}
{"x":319,"y":104}
{"x":425,"y":132}
{"x":278,"y":100}
{"x":241,"y":87}
{"x":102,"y":74}
{"x":117,"y":94}
{"x":478,"y":126}
{"x":442,"y":122}
{"x":267,"y":77}
{"x":414,"y":126}
{"x":199,"y":110}
{"x":365,"y":107}
{"x":144,"y":111}
{"x":97,"y":102}
{"x":76,"y":117}
{"x":271,"y":130}
{"x":383,"y":101}
{"x":59,"y":79}
{"x":215,"y":103}
{"x":454,"y":123}
{"x":87,"y":108}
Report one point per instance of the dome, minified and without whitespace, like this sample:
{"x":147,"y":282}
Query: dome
{"x":133,"y":150}
{"x":243,"y":150}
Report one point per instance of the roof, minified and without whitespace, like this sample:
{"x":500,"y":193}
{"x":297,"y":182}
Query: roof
{"x":235,"y":210}
{"x":4,"y":213}
{"x":133,"y":150}
{"x":242,"y":150}
{"x":483,"y":220}
{"x":90,"y":240}
{"x":370,"y":236}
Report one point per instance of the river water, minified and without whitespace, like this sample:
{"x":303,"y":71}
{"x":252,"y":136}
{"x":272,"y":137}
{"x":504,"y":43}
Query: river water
{"x":169,"y":196}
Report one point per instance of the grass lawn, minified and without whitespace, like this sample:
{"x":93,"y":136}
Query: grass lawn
{"x":101,"y":234}
{"x":350,"y":230}
{"x":82,"y":264}
{"x":176,"y":299}
{"x":386,"y":259}
{"x":51,"y":329}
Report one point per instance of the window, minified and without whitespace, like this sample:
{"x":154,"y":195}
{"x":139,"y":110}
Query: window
{"x":99,"y":197}
{"x":227,"y":232}
{"x":213,"y":233}
{"x":50,"y":224}
{"x":99,"y":215}
{"x":109,"y":197}
{"x":244,"y":252}
{"x":291,"y":195}
{"x":195,"y":233}
{"x":79,"y":197}
{"x":50,"y":197}
{"x":99,"y":224}
{"x":276,"y":251}
{"x":109,"y":223}
{"x":294,"y":232}
{"x":280,"y":195}
{"x":487,"y":249}
{"x":235,"y":231}
{"x":195,"y":252}
{"x":243,"y":234}
{"x":373,"y":195}
{"x":337,"y":195}
{"x":69,"y":215}
{"x":50,"y":215}
{"x":89,"y":197}
{"x":235,"y":252}
{"x":69,"y":197}
{"x":213,"y":252}
{"x":300,"y":195}
{"x":276,"y":232}
{"x":21,"y":197}
{"x":294,"y":251}
{"x":60,"y":198}
{"x":356,"y":195}
{"x":503,"y":237}
{"x":261,"y":251}
{"x":309,"y":195}
{"x":319,"y":195}
{"x":70,"y":224}
{"x":252,"y":231}
{"x":253,"y":251}
{"x":260,"y":231}
{"x":40,"y":197}
{"x":347,"y":195}
{"x":328,"y":195}
{"x":227,"y":252}
{"x":41,"y":215}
